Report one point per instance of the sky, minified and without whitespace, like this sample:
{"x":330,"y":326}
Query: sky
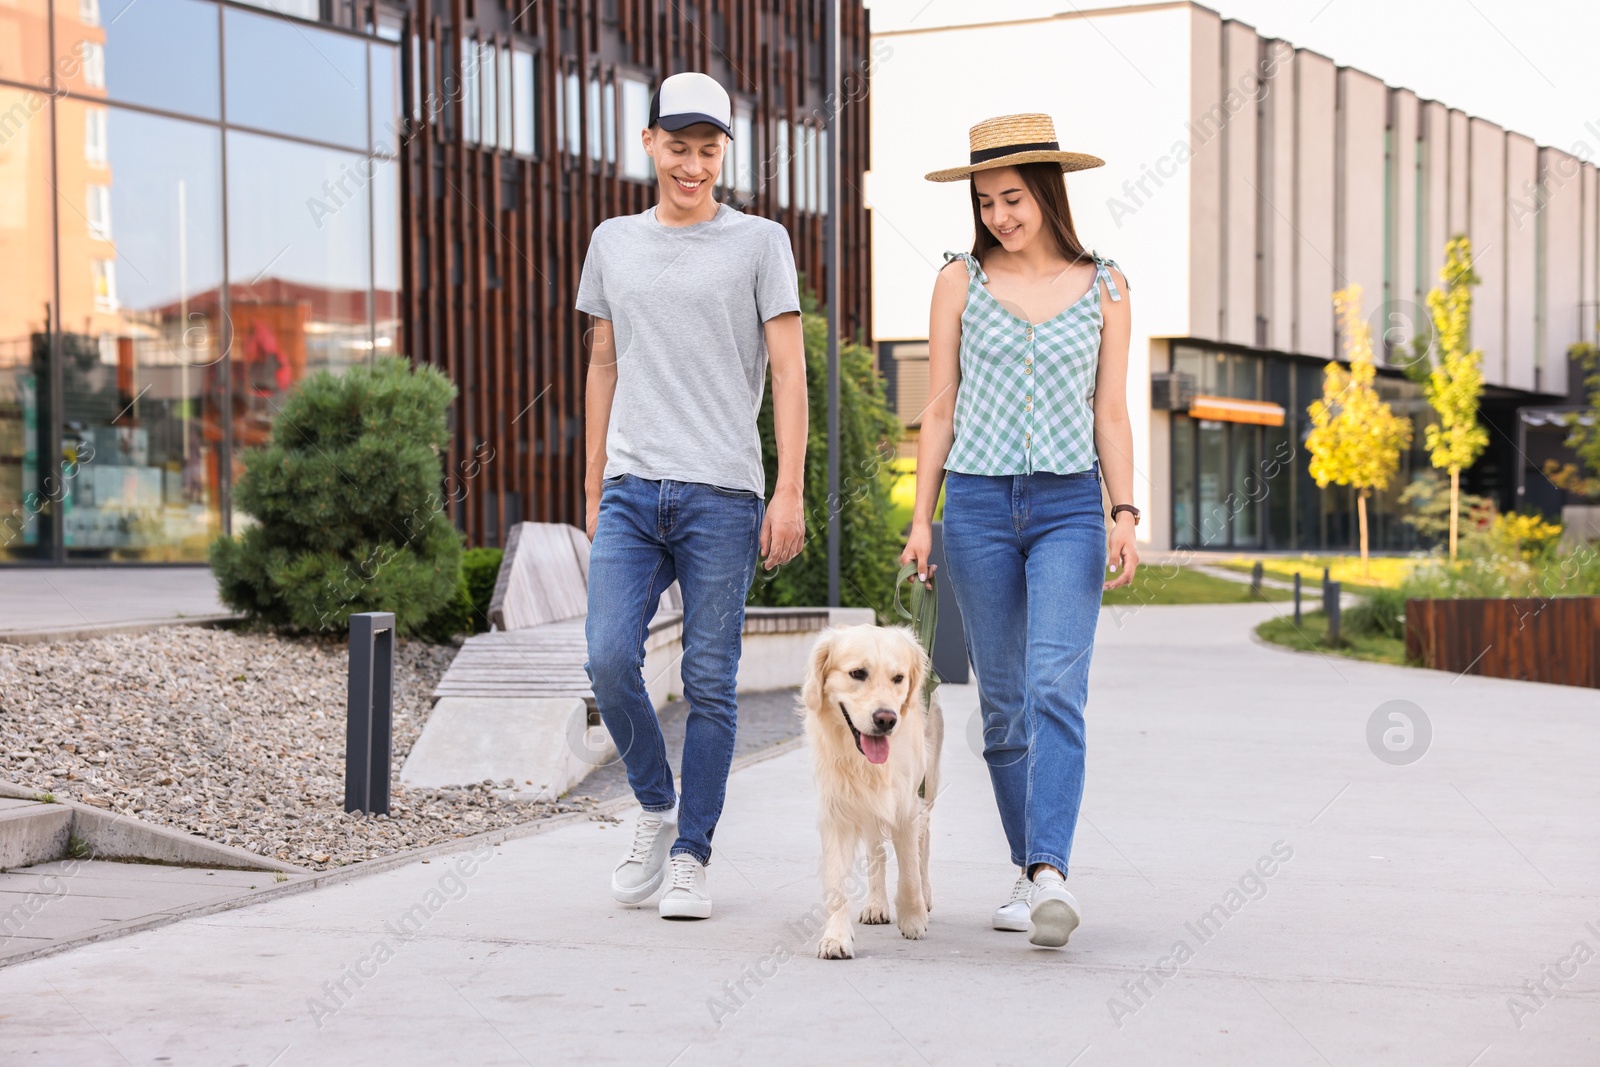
{"x":1527,"y":65}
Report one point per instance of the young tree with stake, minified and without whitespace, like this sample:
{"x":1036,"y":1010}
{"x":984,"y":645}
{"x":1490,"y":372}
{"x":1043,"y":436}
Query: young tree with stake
{"x":1355,"y":437}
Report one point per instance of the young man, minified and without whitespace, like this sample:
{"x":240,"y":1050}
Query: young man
{"x":689,"y":300}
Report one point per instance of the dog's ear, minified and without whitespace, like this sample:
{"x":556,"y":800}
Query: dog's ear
{"x":918,"y":662}
{"x":817,"y":670}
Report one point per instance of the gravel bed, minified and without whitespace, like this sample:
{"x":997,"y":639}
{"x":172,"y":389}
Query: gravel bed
{"x":235,"y":736}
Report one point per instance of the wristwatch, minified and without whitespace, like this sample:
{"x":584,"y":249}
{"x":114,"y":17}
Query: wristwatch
{"x":1125,"y":507}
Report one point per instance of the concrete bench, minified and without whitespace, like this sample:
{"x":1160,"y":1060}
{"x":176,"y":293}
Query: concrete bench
{"x":516,"y":702}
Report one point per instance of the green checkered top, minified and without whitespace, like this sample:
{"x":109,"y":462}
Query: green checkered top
{"x":1026,"y":399}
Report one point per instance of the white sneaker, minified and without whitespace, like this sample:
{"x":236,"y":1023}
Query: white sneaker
{"x":686,"y":896}
{"x":642,"y":869}
{"x":1052,"y":912}
{"x":1013,"y":914}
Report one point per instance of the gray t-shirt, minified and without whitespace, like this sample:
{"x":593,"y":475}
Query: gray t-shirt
{"x":687,"y":304}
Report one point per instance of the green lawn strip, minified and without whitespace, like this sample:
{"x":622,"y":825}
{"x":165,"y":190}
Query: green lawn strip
{"x":1155,"y":583}
{"x":1387,"y":572}
{"x":1312,"y":636}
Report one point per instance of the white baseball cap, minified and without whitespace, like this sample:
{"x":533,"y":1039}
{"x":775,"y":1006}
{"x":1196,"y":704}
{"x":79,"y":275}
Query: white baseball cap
{"x":691,"y":97}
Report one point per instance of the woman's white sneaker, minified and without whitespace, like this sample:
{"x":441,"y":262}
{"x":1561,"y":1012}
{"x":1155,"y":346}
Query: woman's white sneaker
{"x":1013,"y":914}
{"x":1052,"y":912}
{"x":642,"y":869}
{"x":686,"y":896}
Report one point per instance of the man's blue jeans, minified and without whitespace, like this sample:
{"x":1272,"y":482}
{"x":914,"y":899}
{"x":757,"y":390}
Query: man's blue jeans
{"x":1027,"y":556}
{"x":708,"y":539}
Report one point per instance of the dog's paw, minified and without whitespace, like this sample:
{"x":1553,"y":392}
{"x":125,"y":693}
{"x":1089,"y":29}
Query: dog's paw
{"x":833,"y":948}
{"x":913,"y":925}
{"x":875,"y":915}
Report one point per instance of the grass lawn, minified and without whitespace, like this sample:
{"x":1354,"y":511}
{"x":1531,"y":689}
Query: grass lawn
{"x":1312,"y":636}
{"x":1155,"y":583}
{"x":1387,"y":571}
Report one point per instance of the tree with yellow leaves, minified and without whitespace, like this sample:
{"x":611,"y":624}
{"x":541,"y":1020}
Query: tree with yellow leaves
{"x":1355,"y":437}
{"x":1452,"y":381}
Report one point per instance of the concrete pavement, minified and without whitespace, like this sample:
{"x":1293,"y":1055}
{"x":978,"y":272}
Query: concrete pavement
{"x":75,"y":603}
{"x":1331,"y":907}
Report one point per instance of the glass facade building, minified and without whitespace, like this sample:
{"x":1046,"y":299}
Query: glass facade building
{"x":199,"y":206}
{"x":1247,"y":485}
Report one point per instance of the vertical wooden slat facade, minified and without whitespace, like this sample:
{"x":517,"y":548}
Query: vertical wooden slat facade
{"x":493,"y":242}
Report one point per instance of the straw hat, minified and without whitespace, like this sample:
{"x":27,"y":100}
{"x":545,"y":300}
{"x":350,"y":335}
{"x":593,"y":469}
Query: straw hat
{"x":1012,"y":139}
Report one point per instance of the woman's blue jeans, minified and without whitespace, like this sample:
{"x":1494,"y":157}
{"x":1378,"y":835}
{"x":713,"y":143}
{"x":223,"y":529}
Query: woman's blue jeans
{"x":708,"y":539}
{"x":1026,"y":555}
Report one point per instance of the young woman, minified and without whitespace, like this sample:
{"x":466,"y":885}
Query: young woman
{"x":1028,"y":355}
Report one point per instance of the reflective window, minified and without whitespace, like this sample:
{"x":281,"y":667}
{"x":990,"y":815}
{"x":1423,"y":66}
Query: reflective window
{"x":386,"y":258}
{"x":506,"y":93}
{"x":310,"y":10}
{"x":571,"y":120}
{"x":141,"y":337}
{"x":635,"y":117}
{"x":1183,"y":460}
{"x":324,"y":100}
{"x":386,"y":132}
{"x":744,"y":136}
{"x":522,"y":90}
{"x":28,"y":504}
{"x":471,"y":92}
{"x":25,"y":53}
{"x":782,"y":156}
{"x":822,"y":172}
{"x":159,"y":53}
{"x":488,"y":76}
{"x":297,"y":257}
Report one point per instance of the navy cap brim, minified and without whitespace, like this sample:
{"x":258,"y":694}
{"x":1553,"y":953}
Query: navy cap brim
{"x":679,"y":122}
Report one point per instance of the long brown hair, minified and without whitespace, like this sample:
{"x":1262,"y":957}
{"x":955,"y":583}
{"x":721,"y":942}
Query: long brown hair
{"x":1049,"y":187}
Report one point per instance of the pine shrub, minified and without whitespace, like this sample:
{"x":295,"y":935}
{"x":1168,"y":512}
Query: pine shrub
{"x":347,"y":506}
{"x":869,"y":548}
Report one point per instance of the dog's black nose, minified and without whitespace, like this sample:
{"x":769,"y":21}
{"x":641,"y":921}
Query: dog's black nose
{"x":884,"y":720}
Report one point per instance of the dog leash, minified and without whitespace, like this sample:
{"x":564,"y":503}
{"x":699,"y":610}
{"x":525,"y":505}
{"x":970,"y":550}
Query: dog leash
{"x":923,"y":617}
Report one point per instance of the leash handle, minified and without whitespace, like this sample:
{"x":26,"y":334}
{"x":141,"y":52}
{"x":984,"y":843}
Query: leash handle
{"x":923,"y":614}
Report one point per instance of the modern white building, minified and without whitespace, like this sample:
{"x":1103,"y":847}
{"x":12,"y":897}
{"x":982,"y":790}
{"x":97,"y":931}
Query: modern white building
{"x":1246,"y":181}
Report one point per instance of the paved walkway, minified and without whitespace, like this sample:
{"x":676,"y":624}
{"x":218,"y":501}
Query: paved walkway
{"x":71,"y":603}
{"x":1259,"y":888}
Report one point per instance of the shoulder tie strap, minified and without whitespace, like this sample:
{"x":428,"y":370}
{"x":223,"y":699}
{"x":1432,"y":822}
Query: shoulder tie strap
{"x":1103,"y":268}
{"x":974,"y":268}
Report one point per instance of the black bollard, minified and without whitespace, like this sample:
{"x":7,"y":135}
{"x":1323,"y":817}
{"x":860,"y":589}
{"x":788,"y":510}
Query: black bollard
{"x":1255,"y":579}
{"x":367,"y":744}
{"x":1330,"y":607}
{"x":1297,"y":598}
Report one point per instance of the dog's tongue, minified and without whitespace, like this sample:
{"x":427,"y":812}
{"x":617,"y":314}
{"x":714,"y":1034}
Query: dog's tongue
{"x":875,"y":747}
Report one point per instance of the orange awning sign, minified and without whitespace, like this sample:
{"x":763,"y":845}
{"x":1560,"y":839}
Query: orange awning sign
{"x":1229,"y":409}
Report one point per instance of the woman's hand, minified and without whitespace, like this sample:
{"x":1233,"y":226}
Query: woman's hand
{"x":919,"y":549}
{"x":1122,"y":552}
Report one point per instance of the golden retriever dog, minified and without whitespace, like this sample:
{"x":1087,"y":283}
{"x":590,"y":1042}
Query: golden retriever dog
{"x":875,"y":746}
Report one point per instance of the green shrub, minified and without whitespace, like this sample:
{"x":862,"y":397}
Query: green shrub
{"x":1380,"y":614}
{"x":869,"y":548}
{"x":347,"y":508}
{"x":479,"y":569}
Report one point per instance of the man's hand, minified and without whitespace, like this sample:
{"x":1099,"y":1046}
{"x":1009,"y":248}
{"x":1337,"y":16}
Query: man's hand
{"x":783,"y":531}
{"x":591,"y":514}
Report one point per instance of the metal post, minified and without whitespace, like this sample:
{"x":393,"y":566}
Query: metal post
{"x":1297,"y":598}
{"x":830,"y":267}
{"x":1330,"y":607}
{"x":367,"y":742}
{"x":1255,"y":579}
